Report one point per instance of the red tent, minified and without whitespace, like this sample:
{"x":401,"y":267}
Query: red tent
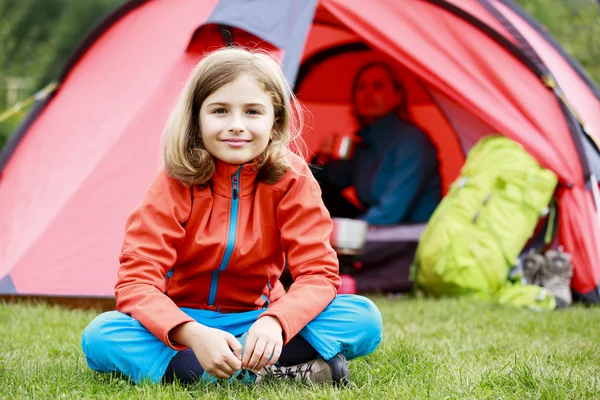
{"x":85,"y":155}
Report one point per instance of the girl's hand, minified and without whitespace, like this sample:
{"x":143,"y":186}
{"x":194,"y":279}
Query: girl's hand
{"x":263,"y":344}
{"x":212,"y":347}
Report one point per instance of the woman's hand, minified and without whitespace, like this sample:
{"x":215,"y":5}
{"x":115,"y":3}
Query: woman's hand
{"x":263,"y":344}
{"x":212,"y":347}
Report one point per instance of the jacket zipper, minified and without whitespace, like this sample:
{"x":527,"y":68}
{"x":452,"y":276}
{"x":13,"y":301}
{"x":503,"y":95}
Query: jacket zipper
{"x":233,"y":216}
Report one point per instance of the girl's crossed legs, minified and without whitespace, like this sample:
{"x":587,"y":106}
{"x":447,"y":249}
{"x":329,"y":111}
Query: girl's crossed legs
{"x":115,"y":342}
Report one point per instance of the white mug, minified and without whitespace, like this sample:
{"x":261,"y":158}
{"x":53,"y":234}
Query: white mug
{"x":343,"y":147}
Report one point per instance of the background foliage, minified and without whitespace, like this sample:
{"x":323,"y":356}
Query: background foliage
{"x":37,"y":37}
{"x":36,"y":40}
{"x":575,"y":24}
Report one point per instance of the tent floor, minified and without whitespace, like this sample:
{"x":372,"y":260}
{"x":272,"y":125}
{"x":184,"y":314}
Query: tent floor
{"x":99,"y":304}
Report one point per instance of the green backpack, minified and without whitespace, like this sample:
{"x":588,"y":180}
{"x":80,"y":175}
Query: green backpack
{"x":479,"y":229}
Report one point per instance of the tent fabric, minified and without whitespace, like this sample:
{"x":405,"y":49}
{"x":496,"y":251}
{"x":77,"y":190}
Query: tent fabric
{"x":88,"y":157}
{"x":581,"y":97}
{"x":543,"y":32}
{"x":7,"y":286}
{"x":484,"y":83}
{"x":343,"y":62}
{"x":591,"y":152}
{"x":462,"y":72}
{"x":285,"y":24}
{"x":55,"y":202}
{"x":324,"y":86}
{"x":470,"y":127}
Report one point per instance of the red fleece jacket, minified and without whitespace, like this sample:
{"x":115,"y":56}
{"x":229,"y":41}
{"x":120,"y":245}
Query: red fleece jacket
{"x":223,"y":248}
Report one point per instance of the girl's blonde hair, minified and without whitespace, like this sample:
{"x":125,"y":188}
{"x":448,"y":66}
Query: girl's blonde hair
{"x":185,"y":156}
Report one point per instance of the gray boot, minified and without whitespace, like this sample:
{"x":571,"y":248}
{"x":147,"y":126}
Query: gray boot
{"x":556,"y":275}
{"x":313,"y":372}
{"x":533,"y":263}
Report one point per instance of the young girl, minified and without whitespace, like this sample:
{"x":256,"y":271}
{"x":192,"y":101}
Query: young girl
{"x":198,"y":291}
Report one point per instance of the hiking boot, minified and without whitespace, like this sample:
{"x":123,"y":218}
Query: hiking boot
{"x":533,"y":263}
{"x":314,"y":371}
{"x":556,"y":276}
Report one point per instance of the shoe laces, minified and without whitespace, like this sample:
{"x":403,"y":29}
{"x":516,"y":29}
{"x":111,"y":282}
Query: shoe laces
{"x":302,"y":371}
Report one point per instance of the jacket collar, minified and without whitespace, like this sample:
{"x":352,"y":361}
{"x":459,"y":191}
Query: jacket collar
{"x":223,"y":178}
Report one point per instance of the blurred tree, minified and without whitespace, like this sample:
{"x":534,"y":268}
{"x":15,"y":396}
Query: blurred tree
{"x":36,"y":39}
{"x":76,"y":20}
{"x":575,"y":24}
{"x":22,"y":27}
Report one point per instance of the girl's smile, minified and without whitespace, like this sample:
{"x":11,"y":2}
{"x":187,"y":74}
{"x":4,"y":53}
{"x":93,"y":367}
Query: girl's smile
{"x":236,"y":142}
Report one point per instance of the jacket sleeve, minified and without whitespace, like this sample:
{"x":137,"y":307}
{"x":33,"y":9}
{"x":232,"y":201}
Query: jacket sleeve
{"x":305,"y":227}
{"x":153,"y":233}
{"x":410,"y":172}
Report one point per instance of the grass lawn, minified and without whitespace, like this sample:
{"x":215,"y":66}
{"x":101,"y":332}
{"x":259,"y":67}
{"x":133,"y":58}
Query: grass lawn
{"x":431,"y":349}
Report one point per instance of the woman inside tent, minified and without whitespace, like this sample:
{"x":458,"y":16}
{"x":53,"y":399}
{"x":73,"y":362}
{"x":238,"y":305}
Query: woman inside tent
{"x":394,"y":169}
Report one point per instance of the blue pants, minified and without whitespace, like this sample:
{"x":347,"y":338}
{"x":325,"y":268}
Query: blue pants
{"x":115,"y":342}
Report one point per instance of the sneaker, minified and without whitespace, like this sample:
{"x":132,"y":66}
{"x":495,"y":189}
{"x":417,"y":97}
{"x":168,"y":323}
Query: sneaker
{"x":556,"y":276}
{"x":314,"y":372}
{"x":533,"y":263}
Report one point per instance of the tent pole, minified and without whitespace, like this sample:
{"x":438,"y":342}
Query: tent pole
{"x":595,"y":194}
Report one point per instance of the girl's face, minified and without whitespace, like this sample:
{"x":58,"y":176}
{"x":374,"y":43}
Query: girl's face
{"x":375,"y":94}
{"x":236,"y":121}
